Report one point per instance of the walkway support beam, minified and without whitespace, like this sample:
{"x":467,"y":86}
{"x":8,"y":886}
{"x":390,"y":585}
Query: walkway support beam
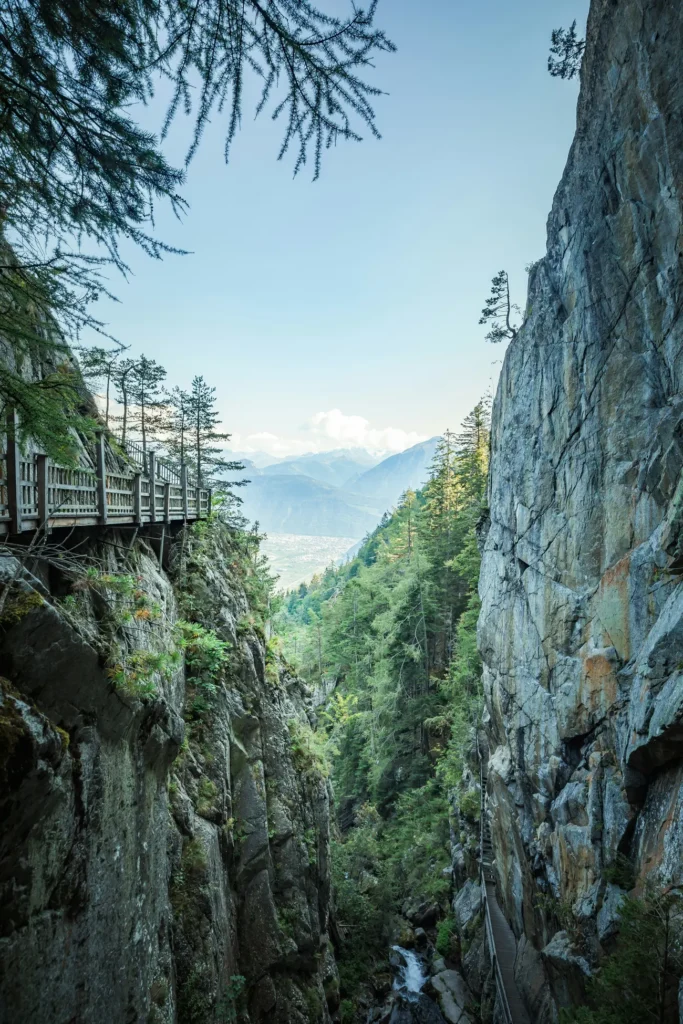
{"x":14,"y":495}
{"x":101,"y":463}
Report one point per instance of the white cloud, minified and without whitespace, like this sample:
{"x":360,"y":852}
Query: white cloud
{"x":263,"y":437}
{"x":356,"y":432}
{"x":328,"y":430}
{"x":264,"y":441}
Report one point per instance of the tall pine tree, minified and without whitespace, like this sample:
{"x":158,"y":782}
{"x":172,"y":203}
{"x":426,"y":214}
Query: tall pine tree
{"x":98,"y":366}
{"x":203,"y":419}
{"x":149,"y":407}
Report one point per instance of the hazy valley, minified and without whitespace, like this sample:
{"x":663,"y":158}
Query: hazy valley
{"x":314,"y":508}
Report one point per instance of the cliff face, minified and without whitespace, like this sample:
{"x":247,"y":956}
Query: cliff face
{"x":164,"y":842}
{"x":582,"y":623}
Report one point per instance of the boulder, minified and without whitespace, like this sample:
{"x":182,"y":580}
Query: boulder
{"x":406,"y":936}
{"x":422,"y":1011}
{"x":567,"y":970}
{"x":608,"y":915}
{"x":453,"y":995}
{"x":381,"y":984}
{"x":467,"y":904}
{"x":426,"y":915}
{"x":560,"y":953}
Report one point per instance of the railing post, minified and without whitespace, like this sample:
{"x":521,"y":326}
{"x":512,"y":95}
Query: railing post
{"x":167,"y":502}
{"x":101,"y":463}
{"x":14,"y":473}
{"x":43,"y":506}
{"x":137,"y":497}
{"x":183,"y":484}
{"x":152,"y":487}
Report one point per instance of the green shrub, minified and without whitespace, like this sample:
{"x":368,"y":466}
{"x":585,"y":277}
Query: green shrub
{"x":206,"y":656}
{"x":206,"y":797}
{"x":620,"y":873}
{"x":638,"y":982}
{"x":347,"y":1012}
{"x":228,"y":1004}
{"x":136,"y":671}
{"x":470,"y":805}
{"x":446,"y":936}
{"x":194,"y":858}
{"x":314,"y":1004}
{"x":308,"y":750}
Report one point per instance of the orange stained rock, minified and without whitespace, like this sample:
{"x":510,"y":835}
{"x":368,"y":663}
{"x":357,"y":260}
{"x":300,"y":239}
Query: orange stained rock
{"x":611,"y":607}
{"x":599,"y":682}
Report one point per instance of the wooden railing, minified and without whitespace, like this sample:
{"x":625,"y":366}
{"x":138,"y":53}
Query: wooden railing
{"x":499,"y":936}
{"x":106,"y":488}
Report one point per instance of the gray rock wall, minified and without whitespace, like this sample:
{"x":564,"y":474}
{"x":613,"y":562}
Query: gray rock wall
{"x":148,"y":866}
{"x":581,"y":628}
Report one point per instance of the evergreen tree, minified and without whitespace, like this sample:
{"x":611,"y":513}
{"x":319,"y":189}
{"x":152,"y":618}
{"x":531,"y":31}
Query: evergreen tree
{"x":180,"y":426}
{"x":472,"y":445}
{"x":148,"y":400}
{"x":38,"y":377}
{"x":75,"y":167}
{"x":498,"y":310}
{"x":98,"y":367}
{"x":122,"y":378}
{"x":566,"y":52}
{"x":442,"y":535}
{"x":638,"y":982}
{"x":395,"y":629}
{"x":203,"y":420}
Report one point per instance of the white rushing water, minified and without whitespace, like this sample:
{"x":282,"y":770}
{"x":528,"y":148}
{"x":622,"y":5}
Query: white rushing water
{"x":411,"y":978}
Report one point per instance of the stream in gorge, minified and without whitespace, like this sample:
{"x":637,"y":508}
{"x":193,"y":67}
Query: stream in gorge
{"x":408,"y":1003}
{"x":410,"y":979}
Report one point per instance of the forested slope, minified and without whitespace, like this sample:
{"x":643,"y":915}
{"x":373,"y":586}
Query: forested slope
{"x":389,"y":639}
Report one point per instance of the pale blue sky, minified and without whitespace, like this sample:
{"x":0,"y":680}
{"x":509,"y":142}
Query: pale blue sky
{"x":361,"y":292}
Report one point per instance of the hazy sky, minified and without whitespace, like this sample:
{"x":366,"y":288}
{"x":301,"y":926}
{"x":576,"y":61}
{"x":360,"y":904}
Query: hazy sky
{"x":329,"y":313}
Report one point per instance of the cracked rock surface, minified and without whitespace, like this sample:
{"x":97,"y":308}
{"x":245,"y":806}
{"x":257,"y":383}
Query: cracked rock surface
{"x":581,"y":629}
{"x":151,"y":871}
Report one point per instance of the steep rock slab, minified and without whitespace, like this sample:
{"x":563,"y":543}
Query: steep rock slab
{"x":581,"y":629}
{"x":150,"y":870}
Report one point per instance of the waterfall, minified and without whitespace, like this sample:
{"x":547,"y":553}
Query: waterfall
{"x":410,"y":978}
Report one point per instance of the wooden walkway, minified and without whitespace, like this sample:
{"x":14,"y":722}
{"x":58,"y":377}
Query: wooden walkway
{"x":499,"y":935}
{"x":106,"y":489}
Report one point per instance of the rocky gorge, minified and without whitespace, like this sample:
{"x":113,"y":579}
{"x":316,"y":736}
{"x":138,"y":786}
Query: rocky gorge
{"x":165,"y":854}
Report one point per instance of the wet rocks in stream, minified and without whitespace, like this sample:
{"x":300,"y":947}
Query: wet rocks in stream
{"x":423,"y":992}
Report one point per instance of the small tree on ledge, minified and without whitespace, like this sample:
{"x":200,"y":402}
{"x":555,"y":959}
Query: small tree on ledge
{"x":566,"y":52}
{"x":498,"y":311}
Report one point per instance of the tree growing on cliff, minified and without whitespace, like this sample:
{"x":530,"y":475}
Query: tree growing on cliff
{"x":639,"y":980}
{"x":121,"y":376}
{"x":203,"y":420}
{"x":148,"y":401}
{"x":179,"y":429}
{"x":98,"y":366}
{"x":498,"y":310}
{"x":566,"y":52}
{"x":74,"y":165}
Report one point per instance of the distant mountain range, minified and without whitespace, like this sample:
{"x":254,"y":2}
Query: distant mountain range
{"x":341,"y":493}
{"x":334,"y":468}
{"x":386,"y":482}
